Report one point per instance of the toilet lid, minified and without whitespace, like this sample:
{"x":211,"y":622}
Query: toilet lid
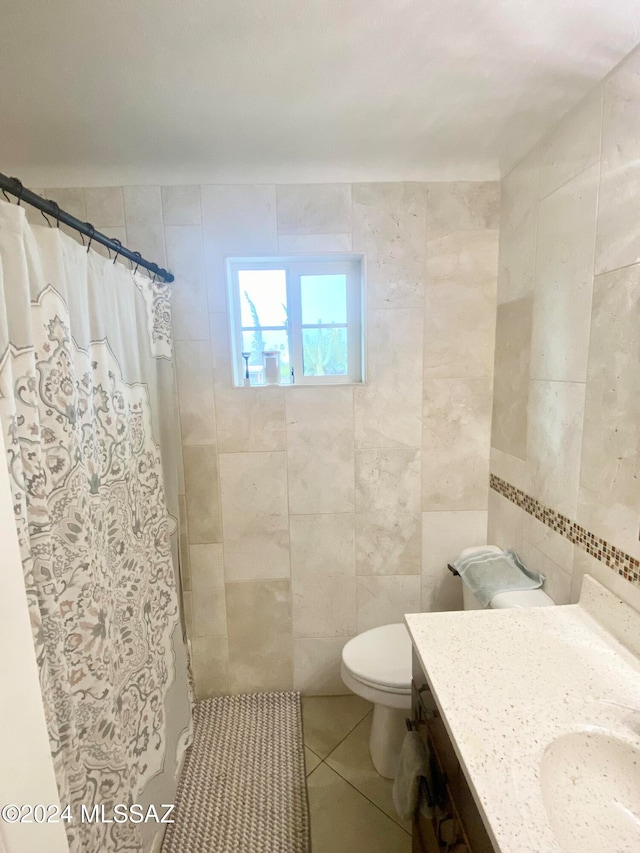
{"x":381,"y":656}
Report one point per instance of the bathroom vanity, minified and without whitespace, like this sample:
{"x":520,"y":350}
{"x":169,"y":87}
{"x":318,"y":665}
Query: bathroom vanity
{"x":532,"y":719}
{"x":456,"y":824}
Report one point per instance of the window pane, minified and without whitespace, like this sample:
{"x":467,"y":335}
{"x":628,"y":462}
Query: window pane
{"x":324,"y":352}
{"x":257,"y":341}
{"x":324,"y":299}
{"x":263,"y":297}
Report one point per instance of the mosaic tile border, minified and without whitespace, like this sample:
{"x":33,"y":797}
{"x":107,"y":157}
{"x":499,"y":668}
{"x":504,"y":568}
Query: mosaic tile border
{"x":624,"y":564}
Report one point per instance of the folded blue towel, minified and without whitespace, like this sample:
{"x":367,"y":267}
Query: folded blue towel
{"x":487,"y":573}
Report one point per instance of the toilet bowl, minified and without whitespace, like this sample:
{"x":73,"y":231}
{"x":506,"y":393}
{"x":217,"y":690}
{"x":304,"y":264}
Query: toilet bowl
{"x":376,"y":665}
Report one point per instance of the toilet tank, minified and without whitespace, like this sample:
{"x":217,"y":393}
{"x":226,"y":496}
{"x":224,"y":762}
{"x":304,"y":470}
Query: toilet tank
{"x":504,"y":600}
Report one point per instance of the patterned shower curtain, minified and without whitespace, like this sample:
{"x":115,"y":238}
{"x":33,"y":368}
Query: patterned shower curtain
{"x":87,"y":412}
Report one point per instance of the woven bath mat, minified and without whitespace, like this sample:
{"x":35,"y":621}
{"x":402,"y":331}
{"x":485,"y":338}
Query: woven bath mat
{"x":243,"y":786}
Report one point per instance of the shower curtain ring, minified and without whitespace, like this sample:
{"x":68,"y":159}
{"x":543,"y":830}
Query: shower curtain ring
{"x":4,"y":193}
{"x":46,"y":219}
{"x":92,"y":231}
{"x":57,"y":207}
{"x":20,"y":189}
{"x":138,"y":257}
{"x":118,"y":249}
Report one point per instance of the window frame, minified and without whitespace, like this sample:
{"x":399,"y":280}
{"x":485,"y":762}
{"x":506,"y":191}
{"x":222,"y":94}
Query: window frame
{"x":295,"y":267}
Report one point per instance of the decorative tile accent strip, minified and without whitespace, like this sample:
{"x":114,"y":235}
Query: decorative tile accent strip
{"x":623,"y":564}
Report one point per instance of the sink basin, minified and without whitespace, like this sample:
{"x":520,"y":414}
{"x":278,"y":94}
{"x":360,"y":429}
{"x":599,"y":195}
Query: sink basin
{"x":590,"y":782}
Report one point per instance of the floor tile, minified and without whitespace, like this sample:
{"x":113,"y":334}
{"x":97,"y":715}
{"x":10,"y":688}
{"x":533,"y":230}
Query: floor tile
{"x":351,"y":760}
{"x":328,"y":719}
{"x":311,"y":761}
{"x":343,"y":821}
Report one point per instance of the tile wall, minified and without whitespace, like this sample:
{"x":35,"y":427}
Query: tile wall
{"x":566,"y":409}
{"x":311,"y":514}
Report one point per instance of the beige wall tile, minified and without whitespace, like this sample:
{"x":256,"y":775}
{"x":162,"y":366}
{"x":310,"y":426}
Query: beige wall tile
{"x":260,"y":641}
{"x":444,"y":535}
{"x":210,"y":662}
{"x":551,"y":544}
{"x":574,"y":144}
{"x":314,"y":208}
{"x":557,"y":582}
{"x":511,"y":379}
{"x":34,"y":217}
{"x":323,"y":546}
{"x":254,"y":515}
{"x":584,"y":564}
{"x":611,"y":439}
{"x":455,"y":444}
{"x":237,"y":220}
{"x":582,"y":330}
{"x":610,"y":520}
{"x":195,"y":390}
{"x":382,"y":600}
{"x":250,"y":419}
{"x":220,"y":350}
{"x":518,"y":227}
{"x":556,"y":411}
{"x":105,"y":205}
{"x":208,"y":595}
{"x":462,"y":206}
{"x":189,"y":295}
{"x":316,"y":666}
{"x":291,"y":244}
{"x":116,"y":233}
{"x":618,"y":238}
{"x":507,"y":467}
{"x":389,"y":227}
{"x":69,"y":199}
{"x":323,"y":575}
{"x":323,"y":606}
{"x":506,"y":522}
{"x":388,"y":539}
{"x":143,"y":218}
{"x":320,"y":453}
{"x":388,"y":409}
{"x":460,"y":304}
{"x":564,"y":280}
{"x":203,"y":502}
{"x":181,"y":205}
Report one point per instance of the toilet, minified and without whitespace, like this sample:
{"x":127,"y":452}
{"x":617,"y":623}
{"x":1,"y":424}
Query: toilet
{"x":376,"y":665}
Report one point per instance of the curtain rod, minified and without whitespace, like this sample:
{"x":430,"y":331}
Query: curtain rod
{"x":14,"y":186}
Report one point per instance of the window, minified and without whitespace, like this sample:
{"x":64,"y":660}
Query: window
{"x":296,"y":320}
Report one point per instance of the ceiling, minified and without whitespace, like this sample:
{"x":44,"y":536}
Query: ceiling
{"x":172,"y":91}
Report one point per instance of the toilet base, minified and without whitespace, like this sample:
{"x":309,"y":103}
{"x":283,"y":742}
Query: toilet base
{"x":388,"y":729}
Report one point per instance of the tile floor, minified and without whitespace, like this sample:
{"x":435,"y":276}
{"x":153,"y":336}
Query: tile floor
{"x":351,"y":806}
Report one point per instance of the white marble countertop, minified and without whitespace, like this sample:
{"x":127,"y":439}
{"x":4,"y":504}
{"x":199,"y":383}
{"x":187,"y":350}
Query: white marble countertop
{"x":508,"y":682}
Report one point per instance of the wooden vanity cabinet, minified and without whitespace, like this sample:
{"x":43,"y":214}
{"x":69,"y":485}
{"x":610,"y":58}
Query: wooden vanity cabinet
{"x":456,"y":826}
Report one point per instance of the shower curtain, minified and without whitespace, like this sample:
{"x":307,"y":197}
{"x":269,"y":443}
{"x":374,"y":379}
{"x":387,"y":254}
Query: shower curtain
{"x":87,"y":412}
